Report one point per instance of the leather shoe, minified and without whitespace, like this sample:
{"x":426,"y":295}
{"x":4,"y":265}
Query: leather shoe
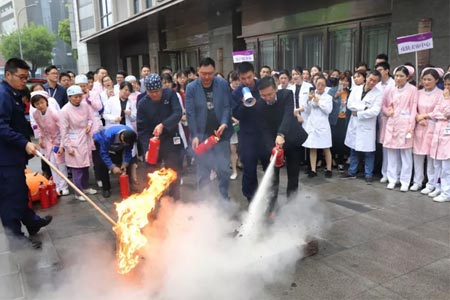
{"x":39,"y":224}
{"x":106,"y":194}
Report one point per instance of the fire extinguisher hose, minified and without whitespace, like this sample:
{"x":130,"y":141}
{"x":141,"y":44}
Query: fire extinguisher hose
{"x":91,"y":202}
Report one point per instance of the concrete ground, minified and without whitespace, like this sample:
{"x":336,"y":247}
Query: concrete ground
{"x":379,"y":244}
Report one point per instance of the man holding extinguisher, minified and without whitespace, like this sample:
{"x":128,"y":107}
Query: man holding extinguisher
{"x":114,"y":148}
{"x":158,"y":115}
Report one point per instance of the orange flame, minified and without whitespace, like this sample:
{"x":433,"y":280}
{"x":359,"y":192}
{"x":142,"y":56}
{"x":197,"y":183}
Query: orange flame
{"x":133,"y":216}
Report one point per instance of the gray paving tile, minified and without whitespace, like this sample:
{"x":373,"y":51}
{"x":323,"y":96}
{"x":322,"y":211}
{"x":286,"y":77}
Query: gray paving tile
{"x":383,"y":259}
{"x":437,"y":230}
{"x":429,"y":282}
{"x":11,"y":287}
{"x":377,"y":293}
{"x":81,"y":225}
{"x":30,"y":259}
{"x":8,"y":264}
{"x":40,"y":282}
{"x":4,"y":244}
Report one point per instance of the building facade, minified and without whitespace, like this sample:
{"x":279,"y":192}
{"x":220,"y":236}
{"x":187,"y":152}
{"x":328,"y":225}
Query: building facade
{"x":331,"y":33}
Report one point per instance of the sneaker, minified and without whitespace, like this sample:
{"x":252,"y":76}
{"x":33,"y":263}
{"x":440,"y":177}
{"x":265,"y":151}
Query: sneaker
{"x":441,"y":198}
{"x":80,"y":198}
{"x":390,"y":186}
{"x":233,"y":176}
{"x":341,"y":168}
{"x":90,"y":191}
{"x":383,"y":180}
{"x":426,"y":190}
{"x":99,"y":183}
{"x":106,"y":194}
{"x":312,"y":174}
{"x":434,"y":193}
{"x":404,"y":188}
{"x":415,"y":187}
{"x":369,"y":180}
{"x":42,"y":222}
{"x":64,"y":192}
{"x":347,"y":176}
{"x":328,"y":174}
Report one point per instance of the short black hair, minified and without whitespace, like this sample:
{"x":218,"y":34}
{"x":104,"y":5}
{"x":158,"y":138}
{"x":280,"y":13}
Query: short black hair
{"x":122,"y":72}
{"x":360,"y":72}
{"x":63,"y":74}
{"x":126,"y":83}
{"x":129,"y":137}
{"x":166,"y":68}
{"x":266,"y":82}
{"x":362,"y":64}
{"x":382,"y":56}
{"x":298,"y":69}
{"x":207,"y":61}
{"x":402,"y":69}
{"x":188,"y":70}
{"x":145,"y":66}
{"x":70,"y":73}
{"x":166,"y":77}
{"x":49,"y":68}
{"x":245,"y":67}
{"x":375,"y":73}
{"x":266,"y":67}
{"x":384,"y":65}
{"x":13,"y":64}
{"x":90,"y":75}
{"x":233,"y":76}
{"x":285,"y":72}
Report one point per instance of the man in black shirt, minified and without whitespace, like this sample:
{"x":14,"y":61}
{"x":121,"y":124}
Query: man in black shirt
{"x":158,"y":113}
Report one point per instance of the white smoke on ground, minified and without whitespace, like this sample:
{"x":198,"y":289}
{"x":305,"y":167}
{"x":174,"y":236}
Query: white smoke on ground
{"x":194,"y":253}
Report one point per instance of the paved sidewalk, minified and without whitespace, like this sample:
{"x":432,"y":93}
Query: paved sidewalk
{"x":380,"y":244}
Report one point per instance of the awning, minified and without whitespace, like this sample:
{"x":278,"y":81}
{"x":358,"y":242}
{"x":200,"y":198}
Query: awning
{"x":135,"y":18}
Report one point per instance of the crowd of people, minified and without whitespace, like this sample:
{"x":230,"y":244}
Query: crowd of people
{"x":334,"y":119}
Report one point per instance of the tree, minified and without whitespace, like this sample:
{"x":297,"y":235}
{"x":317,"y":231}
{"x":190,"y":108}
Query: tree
{"x":37,"y":46}
{"x":64,"y":32}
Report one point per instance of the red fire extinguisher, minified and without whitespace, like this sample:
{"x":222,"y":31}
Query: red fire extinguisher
{"x":207,"y":144}
{"x":52,"y":194}
{"x":30,"y":201}
{"x":124,"y":186}
{"x":153,"y":151}
{"x":43,"y":196}
{"x":279,"y":156}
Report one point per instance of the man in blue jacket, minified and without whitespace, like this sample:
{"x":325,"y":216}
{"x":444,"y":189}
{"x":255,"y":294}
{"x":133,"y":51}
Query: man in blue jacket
{"x":15,"y":150}
{"x":208,"y":111}
{"x":114,"y":146}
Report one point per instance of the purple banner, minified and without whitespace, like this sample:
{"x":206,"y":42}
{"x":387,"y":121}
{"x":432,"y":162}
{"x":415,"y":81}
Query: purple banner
{"x":415,"y":37}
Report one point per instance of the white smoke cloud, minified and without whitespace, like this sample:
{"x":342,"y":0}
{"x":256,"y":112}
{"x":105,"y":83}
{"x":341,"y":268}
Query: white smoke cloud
{"x":193,"y":253}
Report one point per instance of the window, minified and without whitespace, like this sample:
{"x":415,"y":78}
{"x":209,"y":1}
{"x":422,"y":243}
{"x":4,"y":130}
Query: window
{"x":106,"y":13}
{"x":251,"y":45}
{"x":267,"y":53}
{"x":136,"y":6}
{"x":375,"y":40}
{"x":288,"y":52}
{"x":342,"y":49}
{"x":149,"y":3}
{"x":313,"y":50}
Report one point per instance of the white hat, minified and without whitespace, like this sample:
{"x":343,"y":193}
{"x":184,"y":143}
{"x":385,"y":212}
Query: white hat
{"x":74,"y":90}
{"x":79,"y":79}
{"x":130,"y":78}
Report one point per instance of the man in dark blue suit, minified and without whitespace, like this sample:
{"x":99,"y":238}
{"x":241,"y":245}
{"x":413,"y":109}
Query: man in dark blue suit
{"x":250,"y":142}
{"x":208,"y":111}
{"x":15,"y":149}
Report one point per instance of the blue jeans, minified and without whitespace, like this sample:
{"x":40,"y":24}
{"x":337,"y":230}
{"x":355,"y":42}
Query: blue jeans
{"x":369,"y":161}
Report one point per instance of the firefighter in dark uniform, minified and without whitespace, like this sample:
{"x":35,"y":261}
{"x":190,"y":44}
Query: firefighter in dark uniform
{"x":158,"y":113}
{"x":15,"y":150}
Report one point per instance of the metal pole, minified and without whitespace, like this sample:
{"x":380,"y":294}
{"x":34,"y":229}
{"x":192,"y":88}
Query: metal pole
{"x":76,"y":188}
{"x":18,"y":27}
{"x":417,"y":70}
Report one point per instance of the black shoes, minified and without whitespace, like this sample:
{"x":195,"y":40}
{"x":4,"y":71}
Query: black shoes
{"x":312,"y":174}
{"x":106,"y":194}
{"x":328,"y":174}
{"x":18,"y":242}
{"x":33,"y":230}
{"x":369,"y":180}
{"x":348,"y":176}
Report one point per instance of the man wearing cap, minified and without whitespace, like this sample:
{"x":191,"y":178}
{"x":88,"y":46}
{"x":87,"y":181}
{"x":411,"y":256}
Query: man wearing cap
{"x":76,"y":138}
{"x":208,"y":112}
{"x":15,"y":150}
{"x":158,"y":114}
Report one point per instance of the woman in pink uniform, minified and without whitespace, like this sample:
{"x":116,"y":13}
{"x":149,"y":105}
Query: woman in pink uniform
{"x":427,"y":99}
{"x":76,"y":134}
{"x":440,"y":144}
{"x":49,"y":137}
{"x":400,"y":108}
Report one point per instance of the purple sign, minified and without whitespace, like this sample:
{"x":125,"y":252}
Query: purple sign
{"x":415,"y":42}
{"x":241,"y":56}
